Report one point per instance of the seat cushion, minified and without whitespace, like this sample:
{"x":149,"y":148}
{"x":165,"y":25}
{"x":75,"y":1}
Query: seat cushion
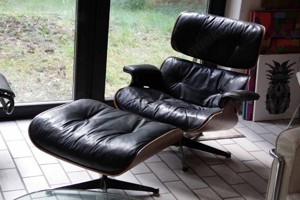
{"x":98,"y":137}
{"x":162,"y":107}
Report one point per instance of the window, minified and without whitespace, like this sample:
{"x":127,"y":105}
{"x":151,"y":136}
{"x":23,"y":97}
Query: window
{"x":139,"y":33}
{"x":37,"y":48}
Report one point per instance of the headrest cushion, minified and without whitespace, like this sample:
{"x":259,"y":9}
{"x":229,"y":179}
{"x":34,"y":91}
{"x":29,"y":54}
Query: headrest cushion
{"x":218,"y":40}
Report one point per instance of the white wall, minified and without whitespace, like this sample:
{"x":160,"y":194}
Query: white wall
{"x":240,"y":9}
{"x":232,"y":9}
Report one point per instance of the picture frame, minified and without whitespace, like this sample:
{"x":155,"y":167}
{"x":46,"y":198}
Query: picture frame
{"x":277,"y":85}
{"x":282,"y":34}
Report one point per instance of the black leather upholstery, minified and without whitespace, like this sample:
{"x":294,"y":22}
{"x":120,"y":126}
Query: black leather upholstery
{"x":96,"y":136}
{"x":181,"y":94}
{"x":192,"y":96}
{"x":192,"y":93}
{"x":216,"y":39}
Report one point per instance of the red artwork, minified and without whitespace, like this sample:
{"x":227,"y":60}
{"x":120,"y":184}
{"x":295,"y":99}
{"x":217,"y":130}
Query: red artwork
{"x":282,"y":31}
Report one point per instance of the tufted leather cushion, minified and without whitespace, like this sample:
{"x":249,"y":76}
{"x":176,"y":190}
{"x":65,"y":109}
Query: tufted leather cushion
{"x":160,"y":106}
{"x":199,"y":84}
{"x":98,"y":137}
{"x":192,"y":95}
{"x":219,"y":40}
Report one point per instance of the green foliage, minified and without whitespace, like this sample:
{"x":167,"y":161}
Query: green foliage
{"x":62,"y":8}
{"x":135,"y":4}
{"x":38,"y":42}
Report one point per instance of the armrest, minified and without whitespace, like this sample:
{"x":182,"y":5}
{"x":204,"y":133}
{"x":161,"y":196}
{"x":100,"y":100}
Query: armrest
{"x":6,"y":95}
{"x":144,"y":75}
{"x":239,"y":95}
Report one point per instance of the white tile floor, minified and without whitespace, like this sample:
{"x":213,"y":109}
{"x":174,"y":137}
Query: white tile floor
{"x":23,"y":168}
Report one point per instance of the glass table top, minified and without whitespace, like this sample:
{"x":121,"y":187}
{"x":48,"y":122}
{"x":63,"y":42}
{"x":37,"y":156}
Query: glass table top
{"x":58,"y":194}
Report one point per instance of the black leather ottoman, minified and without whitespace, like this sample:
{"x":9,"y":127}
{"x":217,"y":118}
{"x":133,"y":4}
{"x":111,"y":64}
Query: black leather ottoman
{"x":100,"y":138}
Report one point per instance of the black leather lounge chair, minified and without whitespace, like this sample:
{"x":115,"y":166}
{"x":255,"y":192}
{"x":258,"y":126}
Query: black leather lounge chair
{"x":193,"y":96}
{"x":6,"y":96}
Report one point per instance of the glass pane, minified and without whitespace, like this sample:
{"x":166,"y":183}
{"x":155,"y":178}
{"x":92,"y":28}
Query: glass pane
{"x":140,"y":33}
{"x":37,"y":48}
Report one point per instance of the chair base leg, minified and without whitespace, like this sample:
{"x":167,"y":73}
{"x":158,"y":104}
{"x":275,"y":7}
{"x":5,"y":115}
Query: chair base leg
{"x":105,"y":183}
{"x":294,"y":115}
{"x":200,"y":146}
{"x":185,"y":167}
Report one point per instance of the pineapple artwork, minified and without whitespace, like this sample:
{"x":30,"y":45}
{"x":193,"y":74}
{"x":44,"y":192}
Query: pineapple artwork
{"x":278,"y":92}
{"x":277,"y":85}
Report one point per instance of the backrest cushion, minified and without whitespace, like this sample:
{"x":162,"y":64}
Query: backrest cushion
{"x":219,"y":40}
{"x":198,"y":84}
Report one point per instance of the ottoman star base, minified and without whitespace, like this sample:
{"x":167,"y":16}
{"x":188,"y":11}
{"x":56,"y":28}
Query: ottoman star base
{"x":105,"y":183}
{"x":97,"y":137}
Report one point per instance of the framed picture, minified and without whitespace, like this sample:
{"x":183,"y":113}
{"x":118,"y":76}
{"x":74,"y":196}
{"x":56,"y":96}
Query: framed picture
{"x":277,"y":85}
{"x":282,"y":34}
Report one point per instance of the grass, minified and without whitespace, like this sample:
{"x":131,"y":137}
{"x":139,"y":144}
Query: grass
{"x":36,"y":55}
{"x":37,"y":48}
{"x":140,"y":36}
{"x":63,"y":8}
